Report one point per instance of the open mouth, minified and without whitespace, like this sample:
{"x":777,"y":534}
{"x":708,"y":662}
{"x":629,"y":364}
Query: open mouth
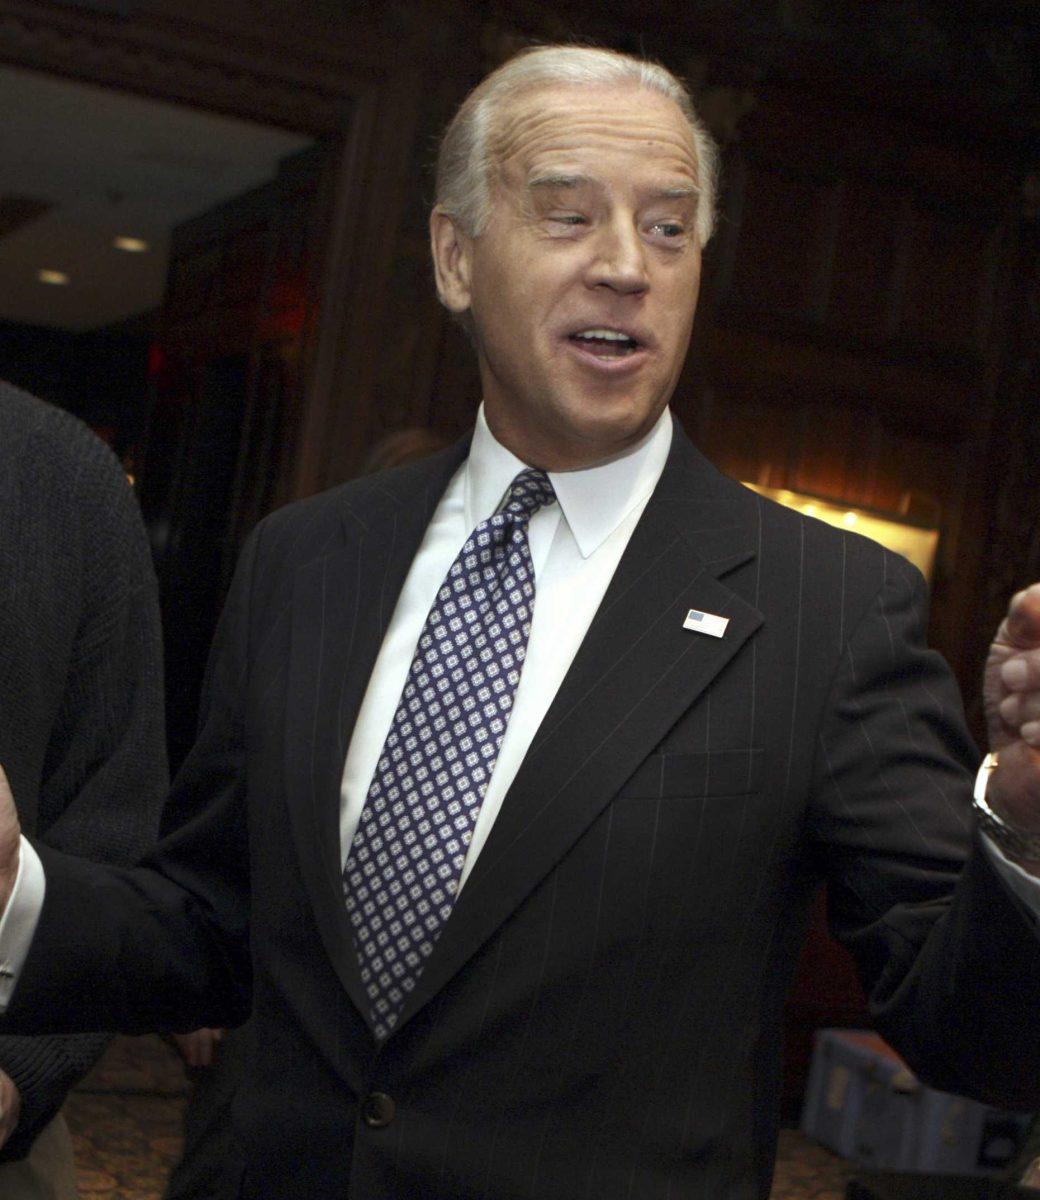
{"x":605,"y":343}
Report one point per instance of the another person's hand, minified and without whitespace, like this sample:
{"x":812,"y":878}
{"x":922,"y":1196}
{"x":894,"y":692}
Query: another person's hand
{"x":1011,"y":691}
{"x":199,"y":1049}
{"x":10,"y":839}
{"x":10,"y":1106}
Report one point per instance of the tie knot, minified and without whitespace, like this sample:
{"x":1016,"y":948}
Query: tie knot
{"x":529,"y":491}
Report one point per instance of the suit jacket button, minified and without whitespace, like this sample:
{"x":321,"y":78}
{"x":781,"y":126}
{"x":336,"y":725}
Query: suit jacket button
{"x":377,"y":1110}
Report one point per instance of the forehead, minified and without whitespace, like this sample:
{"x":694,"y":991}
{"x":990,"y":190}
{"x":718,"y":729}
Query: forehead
{"x":593,"y":127}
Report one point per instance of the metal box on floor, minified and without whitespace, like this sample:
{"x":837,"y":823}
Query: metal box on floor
{"x":864,"y":1102}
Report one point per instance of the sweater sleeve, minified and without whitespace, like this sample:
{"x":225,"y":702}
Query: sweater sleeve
{"x":105,"y":772}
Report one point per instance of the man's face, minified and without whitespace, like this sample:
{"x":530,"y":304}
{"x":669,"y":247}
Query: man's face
{"x":582,"y":288}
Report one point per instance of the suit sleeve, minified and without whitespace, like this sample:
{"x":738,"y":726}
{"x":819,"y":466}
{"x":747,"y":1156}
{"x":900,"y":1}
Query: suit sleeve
{"x":105,"y":774}
{"x":949,"y":958}
{"x":164,"y":945}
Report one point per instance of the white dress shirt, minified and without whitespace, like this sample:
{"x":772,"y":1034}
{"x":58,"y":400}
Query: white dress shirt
{"x":576,"y":545}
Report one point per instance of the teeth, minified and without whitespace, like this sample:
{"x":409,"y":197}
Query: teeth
{"x":609,"y":335}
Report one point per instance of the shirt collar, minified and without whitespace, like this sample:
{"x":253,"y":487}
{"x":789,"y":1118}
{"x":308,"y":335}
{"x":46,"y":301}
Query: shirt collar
{"x":594,"y":501}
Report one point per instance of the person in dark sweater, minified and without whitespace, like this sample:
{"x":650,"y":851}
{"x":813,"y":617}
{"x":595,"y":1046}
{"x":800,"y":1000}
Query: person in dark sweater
{"x":81,"y":715}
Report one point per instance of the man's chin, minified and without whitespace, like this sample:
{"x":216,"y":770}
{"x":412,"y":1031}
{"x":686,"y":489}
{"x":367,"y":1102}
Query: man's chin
{"x":598,"y":439}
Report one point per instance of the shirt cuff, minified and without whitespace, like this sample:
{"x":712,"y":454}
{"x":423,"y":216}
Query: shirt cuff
{"x":19,"y":920}
{"x":1025,"y":886}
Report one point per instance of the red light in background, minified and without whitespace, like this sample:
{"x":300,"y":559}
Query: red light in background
{"x":156,"y":360}
{"x":287,"y":309}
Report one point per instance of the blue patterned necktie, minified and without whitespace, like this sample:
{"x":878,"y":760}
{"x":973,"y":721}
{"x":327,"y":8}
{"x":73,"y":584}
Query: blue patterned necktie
{"x":402,"y":873}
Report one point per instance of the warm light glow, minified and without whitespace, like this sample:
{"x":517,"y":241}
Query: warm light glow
{"x":132,"y":245}
{"x":46,"y":275}
{"x":914,"y":541}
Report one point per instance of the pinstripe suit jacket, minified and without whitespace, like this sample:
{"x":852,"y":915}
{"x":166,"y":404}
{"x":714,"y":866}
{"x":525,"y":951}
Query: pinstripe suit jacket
{"x":602,"y":1015}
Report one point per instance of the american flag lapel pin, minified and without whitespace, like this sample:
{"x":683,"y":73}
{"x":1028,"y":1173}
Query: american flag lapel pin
{"x":702,"y":622}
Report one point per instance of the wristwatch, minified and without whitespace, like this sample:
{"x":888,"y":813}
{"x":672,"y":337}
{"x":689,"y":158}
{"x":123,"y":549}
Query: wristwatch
{"x":1012,"y":840}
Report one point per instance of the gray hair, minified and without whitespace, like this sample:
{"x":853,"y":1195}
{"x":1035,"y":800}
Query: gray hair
{"x":465,"y":160}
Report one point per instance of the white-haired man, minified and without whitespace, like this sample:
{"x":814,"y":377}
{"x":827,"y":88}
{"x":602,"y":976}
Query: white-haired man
{"x":519,"y":767}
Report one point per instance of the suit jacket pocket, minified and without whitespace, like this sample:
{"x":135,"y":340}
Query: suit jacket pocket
{"x":711,"y":773}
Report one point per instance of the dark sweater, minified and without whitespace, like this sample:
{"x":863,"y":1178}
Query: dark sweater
{"x":81,"y":726}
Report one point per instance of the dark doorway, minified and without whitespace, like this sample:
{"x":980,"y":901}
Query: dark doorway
{"x":158,"y":279}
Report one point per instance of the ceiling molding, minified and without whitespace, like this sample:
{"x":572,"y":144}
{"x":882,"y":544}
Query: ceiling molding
{"x":195,"y":65}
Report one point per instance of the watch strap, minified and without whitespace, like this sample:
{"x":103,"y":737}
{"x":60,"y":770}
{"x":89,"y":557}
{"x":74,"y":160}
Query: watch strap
{"x":1012,"y":840}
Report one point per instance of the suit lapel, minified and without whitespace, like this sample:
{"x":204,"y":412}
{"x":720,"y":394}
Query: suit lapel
{"x":638,"y":670}
{"x":342,"y":604}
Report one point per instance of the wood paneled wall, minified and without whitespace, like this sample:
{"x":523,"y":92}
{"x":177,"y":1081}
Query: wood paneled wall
{"x":859,"y":321}
{"x":228,"y":381}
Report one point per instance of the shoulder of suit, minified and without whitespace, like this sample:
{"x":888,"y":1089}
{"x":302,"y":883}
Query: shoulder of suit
{"x":335,"y":504}
{"x":48,"y":449}
{"x":25,"y":417}
{"x":306,"y":528}
{"x":820,"y":541}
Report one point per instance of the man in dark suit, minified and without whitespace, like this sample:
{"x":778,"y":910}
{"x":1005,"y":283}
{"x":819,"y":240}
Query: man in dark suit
{"x":511,"y":934}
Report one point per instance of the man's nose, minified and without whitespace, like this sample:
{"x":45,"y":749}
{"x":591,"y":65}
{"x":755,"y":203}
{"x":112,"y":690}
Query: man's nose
{"x":619,"y":262}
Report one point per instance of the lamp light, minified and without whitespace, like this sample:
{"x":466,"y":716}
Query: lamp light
{"x":914,"y":540}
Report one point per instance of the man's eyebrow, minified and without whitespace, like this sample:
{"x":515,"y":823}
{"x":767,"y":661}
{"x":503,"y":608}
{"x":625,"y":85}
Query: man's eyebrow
{"x":557,"y":179}
{"x":679,"y":191}
{"x":561,"y":181}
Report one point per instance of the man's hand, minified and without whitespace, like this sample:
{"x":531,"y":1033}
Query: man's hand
{"x":1011,"y":692}
{"x":10,"y":1106}
{"x":10,"y":840}
{"x":199,"y":1049}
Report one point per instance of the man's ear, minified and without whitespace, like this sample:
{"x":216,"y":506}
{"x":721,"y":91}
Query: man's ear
{"x":452,"y":251}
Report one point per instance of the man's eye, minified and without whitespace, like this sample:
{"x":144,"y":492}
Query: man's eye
{"x":667,"y":229}
{"x":569,"y":219}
